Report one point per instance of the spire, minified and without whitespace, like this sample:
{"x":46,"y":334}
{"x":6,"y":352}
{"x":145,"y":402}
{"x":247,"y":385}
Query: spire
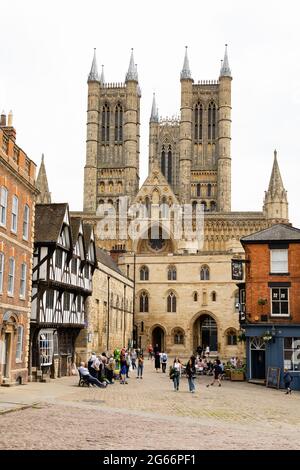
{"x":93,"y":75}
{"x":44,"y":197}
{"x":225,"y":69}
{"x":276,"y":184}
{"x":132,"y":70}
{"x":154,"y":111}
{"x":185,"y":72}
{"x":102,"y":79}
{"x":276,"y":201}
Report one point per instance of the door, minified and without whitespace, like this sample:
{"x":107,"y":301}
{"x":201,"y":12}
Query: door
{"x":7,"y":342}
{"x":258,"y":364}
{"x":158,"y":338}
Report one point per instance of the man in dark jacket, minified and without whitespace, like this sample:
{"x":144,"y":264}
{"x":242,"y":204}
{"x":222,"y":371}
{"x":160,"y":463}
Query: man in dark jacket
{"x":287,"y":379}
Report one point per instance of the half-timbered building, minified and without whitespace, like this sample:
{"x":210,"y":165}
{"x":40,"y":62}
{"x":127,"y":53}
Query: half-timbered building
{"x":63,"y":266}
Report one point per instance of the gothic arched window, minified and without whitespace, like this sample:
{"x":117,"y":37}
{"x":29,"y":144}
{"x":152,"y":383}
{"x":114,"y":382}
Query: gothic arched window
{"x":144,"y":302}
{"x":198,"y":122}
{"x":172,"y":273}
{"x":105,"y":123}
{"x":171,"y":302}
{"x":169,"y":164}
{"x":204,"y":273}
{"x":209,"y":190}
{"x":163,"y":161}
{"x":166,"y":163}
{"x":212,"y":112}
{"x":118,"y":123}
{"x":195,"y":296}
{"x":213,"y":206}
{"x":231,"y":337}
{"x":144,"y":273}
{"x":198,"y":190}
{"x":178,"y":336}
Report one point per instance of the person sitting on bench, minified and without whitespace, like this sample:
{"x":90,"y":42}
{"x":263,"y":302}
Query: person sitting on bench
{"x":88,"y":377}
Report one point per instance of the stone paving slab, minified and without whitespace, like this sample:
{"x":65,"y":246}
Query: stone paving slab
{"x":148,"y":414}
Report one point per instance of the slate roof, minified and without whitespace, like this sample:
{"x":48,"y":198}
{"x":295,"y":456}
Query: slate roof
{"x":106,"y":259}
{"x":278,"y":232}
{"x":75,"y":224}
{"x":48,"y":222}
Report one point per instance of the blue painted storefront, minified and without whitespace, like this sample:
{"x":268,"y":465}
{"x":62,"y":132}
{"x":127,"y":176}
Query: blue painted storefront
{"x":272,"y":351}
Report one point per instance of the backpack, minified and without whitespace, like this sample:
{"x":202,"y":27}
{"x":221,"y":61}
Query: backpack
{"x":164,"y":358}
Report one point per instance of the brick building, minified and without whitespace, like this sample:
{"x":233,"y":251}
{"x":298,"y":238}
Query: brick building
{"x":17,"y":192}
{"x":270,"y":302}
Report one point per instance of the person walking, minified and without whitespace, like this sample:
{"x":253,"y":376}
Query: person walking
{"x":133,"y":356}
{"x":157,"y":358}
{"x":217,"y":373}
{"x":140,"y":367}
{"x":164,"y":360}
{"x":191,"y":372}
{"x":176,"y":373}
{"x":287,"y":379}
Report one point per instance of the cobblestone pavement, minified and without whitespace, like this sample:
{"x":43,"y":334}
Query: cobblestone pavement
{"x":148,"y":414}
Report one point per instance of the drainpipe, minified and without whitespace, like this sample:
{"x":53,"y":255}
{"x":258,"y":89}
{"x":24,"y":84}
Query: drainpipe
{"x":108,"y":308}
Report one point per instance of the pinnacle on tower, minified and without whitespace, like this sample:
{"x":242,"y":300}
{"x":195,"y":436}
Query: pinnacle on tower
{"x":225,"y":69}
{"x":185,"y":72}
{"x":44,"y":197}
{"x":154,"y":111}
{"x":93,"y":75}
{"x":276,"y":184}
{"x":102,"y":79}
{"x":132,"y":70}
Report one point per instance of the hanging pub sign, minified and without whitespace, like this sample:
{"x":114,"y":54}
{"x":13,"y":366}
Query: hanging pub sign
{"x":237,"y":271}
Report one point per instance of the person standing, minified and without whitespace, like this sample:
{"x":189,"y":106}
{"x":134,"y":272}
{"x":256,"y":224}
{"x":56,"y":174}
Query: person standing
{"x":133,"y":356}
{"x":287,"y":379}
{"x":207,"y":351}
{"x":157,"y":358}
{"x":150,"y":352}
{"x":164,"y":360}
{"x":176,"y":373}
{"x":191,"y":372}
{"x":217,"y":373}
{"x":123,"y":371}
{"x":140,"y":367}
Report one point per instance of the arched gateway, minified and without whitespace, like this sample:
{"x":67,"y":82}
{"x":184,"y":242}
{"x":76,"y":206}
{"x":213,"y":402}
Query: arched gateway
{"x":158,"y":338}
{"x":205,"y":333}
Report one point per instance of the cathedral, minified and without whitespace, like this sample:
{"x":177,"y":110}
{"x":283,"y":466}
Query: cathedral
{"x":185,"y":296}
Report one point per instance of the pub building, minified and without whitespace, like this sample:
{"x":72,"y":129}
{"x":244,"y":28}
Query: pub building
{"x":269,"y":305}
{"x":63,"y":265}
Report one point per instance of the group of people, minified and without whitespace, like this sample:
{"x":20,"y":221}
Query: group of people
{"x":177,"y":369}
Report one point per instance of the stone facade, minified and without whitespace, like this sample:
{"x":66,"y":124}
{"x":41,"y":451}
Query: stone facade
{"x":189,"y":163}
{"x":18,"y":193}
{"x":109,"y":311}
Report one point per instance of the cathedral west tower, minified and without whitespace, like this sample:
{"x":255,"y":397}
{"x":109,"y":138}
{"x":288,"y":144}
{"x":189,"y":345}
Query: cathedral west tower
{"x":113,"y":133}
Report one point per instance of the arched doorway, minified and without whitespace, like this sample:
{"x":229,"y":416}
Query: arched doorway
{"x":205,"y":333}
{"x":158,"y":338}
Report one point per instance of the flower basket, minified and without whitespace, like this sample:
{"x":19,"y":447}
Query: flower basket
{"x":237,"y":375}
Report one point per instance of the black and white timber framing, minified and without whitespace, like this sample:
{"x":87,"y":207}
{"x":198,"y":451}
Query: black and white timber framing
{"x":63,"y":264}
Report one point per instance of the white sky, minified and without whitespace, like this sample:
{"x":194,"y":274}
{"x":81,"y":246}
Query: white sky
{"x":46,"y":49}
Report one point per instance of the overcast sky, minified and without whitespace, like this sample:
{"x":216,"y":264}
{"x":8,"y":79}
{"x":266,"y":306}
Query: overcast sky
{"x":46,"y":50}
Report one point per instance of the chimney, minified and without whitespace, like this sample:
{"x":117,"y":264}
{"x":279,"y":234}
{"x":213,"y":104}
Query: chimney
{"x":10,"y":131}
{"x":10,"y":119}
{"x":3,"y":119}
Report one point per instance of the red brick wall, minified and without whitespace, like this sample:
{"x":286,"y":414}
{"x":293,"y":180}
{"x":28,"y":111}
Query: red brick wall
{"x":258,"y":276}
{"x":17,"y":179}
